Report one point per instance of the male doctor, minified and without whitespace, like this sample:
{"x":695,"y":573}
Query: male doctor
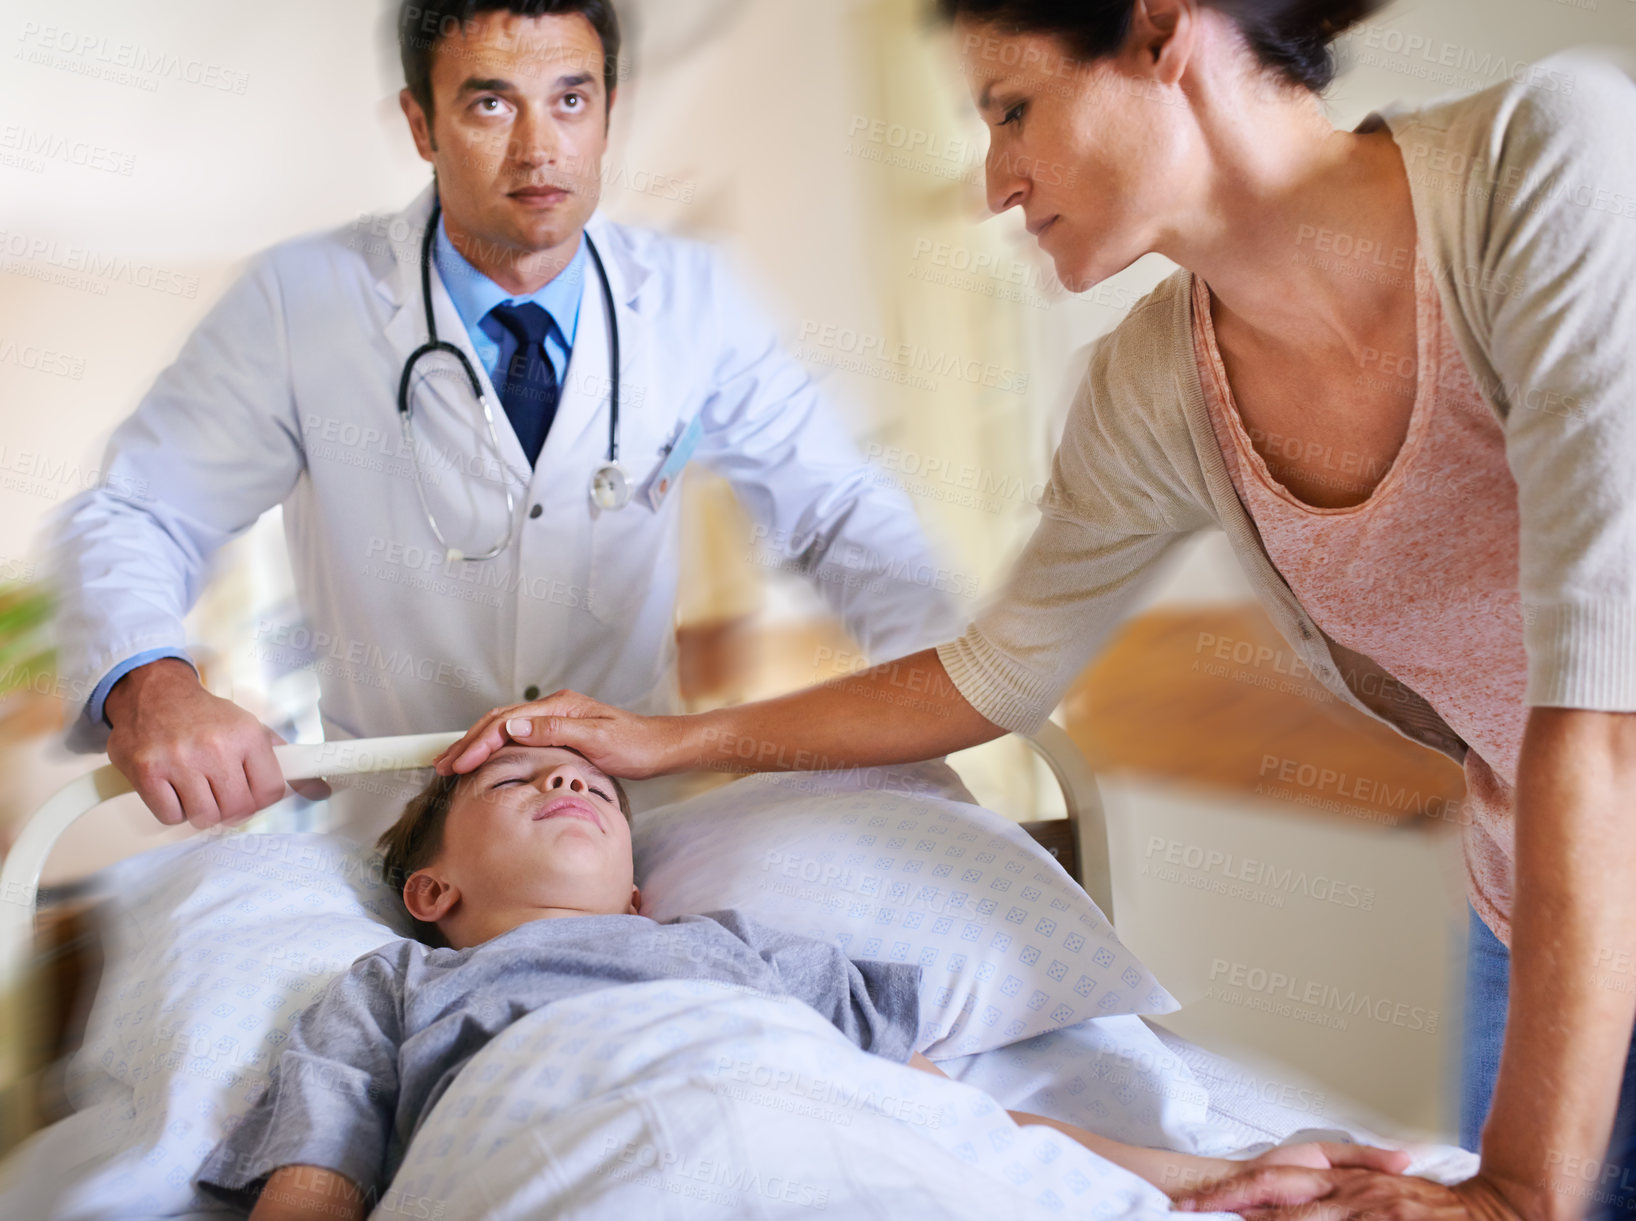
{"x":289,"y":393}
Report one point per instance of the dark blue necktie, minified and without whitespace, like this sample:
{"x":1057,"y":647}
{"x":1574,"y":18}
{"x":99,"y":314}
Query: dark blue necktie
{"x":527,"y":383}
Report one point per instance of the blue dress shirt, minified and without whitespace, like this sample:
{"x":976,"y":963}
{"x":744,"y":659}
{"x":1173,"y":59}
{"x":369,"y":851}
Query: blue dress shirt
{"x":474,"y":295}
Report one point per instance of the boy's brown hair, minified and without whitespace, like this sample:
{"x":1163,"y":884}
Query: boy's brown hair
{"x":413,"y":842}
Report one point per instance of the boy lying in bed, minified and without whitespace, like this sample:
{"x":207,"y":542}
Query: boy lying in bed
{"x":521,"y":874}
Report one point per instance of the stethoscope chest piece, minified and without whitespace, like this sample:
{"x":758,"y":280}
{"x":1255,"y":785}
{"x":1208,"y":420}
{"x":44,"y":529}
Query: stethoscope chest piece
{"x":610,"y":486}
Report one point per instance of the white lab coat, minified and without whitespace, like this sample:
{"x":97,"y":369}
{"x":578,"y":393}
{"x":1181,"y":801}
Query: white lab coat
{"x":287,"y":394}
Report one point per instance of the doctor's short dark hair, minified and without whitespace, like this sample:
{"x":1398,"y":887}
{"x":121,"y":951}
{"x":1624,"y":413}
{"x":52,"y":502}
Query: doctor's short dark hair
{"x":422,"y":24}
{"x":1292,"y":38}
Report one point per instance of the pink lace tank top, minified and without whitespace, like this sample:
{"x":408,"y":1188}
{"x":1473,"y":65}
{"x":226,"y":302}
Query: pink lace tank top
{"x":1421,"y":577}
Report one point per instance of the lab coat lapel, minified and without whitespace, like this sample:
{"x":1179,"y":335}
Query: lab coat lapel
{"x":406,"y":329}
{"x":406,"y":332}
{"x":581,"y":426}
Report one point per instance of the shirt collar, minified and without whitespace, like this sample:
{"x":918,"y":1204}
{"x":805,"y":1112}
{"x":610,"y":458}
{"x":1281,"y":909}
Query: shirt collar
{"x":474,"y":294}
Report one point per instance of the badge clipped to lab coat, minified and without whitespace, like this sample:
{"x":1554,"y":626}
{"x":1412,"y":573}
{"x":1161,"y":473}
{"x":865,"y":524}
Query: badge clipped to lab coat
{"x":677,"y":455}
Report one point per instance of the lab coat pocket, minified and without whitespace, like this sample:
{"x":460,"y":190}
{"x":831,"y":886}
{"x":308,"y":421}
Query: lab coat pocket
{"x":629,"y":564}
{"x":633,"y":550}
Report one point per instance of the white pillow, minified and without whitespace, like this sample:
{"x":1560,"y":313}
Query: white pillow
{"x":884,"y":864}
{"x":211,"y":949}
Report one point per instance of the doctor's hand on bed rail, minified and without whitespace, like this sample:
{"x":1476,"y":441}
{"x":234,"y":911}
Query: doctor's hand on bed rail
{"x":900,"y":712}
{"x":192,"y":756}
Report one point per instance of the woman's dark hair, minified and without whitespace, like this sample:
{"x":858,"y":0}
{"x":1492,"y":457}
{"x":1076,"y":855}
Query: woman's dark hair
{"x":1290,"y":37}
{"x":422,"y":24}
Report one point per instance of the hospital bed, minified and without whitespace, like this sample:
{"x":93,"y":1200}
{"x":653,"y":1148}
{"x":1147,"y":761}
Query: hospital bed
{"x":1153,"y":1088}
{"x":1079,"y":841}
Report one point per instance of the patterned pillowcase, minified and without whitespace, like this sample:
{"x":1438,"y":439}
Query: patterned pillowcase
{"x":1011,"y":947}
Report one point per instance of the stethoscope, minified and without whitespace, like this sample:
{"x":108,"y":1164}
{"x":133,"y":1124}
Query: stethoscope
{"x":610,"y":486}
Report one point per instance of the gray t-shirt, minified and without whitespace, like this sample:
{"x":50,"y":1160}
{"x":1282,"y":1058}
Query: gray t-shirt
{"x":367,"y":1062}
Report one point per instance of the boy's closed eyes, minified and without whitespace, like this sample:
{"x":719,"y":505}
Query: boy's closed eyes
{"x":537,"y":832}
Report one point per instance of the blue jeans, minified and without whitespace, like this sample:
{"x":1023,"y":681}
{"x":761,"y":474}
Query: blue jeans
{"x":1609,"y":1191}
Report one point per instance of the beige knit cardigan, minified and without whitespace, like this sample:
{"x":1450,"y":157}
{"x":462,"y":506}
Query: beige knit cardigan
{"x":1525,"y":206}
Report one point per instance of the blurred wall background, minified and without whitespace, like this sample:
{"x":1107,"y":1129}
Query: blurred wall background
{"x":146,"y":151}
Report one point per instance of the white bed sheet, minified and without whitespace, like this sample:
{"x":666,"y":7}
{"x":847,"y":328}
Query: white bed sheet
{"x":698,"y":1100}
{"x":560,"y":1118}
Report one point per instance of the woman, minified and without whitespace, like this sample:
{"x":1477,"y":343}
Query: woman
{"x":1397,"y":370}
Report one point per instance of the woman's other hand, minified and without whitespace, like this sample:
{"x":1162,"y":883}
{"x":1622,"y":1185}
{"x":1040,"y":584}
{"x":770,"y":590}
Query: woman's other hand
{"x":1333,"y":1155}
{"x":1288,"y":1176}
{"x":1274,"y":1192}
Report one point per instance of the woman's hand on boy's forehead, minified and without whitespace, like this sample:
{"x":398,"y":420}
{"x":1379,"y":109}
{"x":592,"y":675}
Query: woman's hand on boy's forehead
{"x":620,"y":743}
{"x":489,"y":734}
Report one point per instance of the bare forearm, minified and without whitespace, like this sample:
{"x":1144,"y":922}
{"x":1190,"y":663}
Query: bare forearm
{"x":1175,"y":1174}
{"x":900,"y":712}
{"x":309,"y":1193}
{"x":1574,"y":923}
